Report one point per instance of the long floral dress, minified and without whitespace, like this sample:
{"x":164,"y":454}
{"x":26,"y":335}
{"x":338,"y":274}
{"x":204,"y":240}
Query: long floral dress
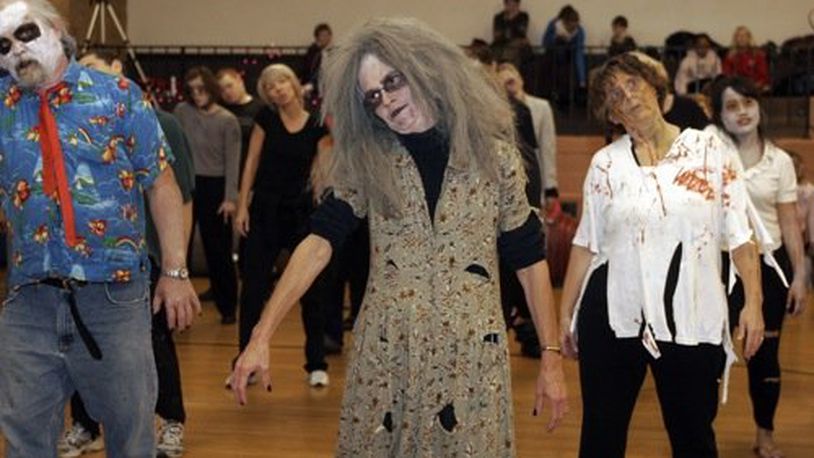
{"x":429,"y":372}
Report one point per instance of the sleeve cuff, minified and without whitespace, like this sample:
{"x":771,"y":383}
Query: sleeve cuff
{"x":523,"y":246}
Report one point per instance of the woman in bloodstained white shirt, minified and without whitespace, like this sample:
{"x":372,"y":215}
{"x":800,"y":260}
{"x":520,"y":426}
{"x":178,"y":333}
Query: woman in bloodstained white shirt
{"x":643,"y":285}
{"x":772,"y":184}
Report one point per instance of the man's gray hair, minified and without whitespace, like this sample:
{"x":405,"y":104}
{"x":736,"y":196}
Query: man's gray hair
{"x":44,"y":11}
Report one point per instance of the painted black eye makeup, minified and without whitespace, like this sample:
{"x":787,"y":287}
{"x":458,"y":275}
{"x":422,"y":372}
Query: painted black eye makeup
{"x":392,"y":82}
{"x":5,"y":46}
{"x":26,"y":33}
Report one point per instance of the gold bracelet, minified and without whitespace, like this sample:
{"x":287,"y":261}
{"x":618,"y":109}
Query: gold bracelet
{"x":554,"y":348}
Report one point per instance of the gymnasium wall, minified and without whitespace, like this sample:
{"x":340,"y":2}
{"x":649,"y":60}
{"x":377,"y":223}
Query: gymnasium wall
{"x":290,"y":22}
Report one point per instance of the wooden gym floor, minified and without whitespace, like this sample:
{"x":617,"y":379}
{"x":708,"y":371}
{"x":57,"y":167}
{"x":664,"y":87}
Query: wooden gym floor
{"x":297,"y":421}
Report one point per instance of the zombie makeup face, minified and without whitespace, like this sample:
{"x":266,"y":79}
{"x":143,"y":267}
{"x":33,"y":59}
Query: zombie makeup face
{"x":740,"y":115}
{"x":30,"y":50}
{"x":200,"y":96}
{"x":386,"y":93}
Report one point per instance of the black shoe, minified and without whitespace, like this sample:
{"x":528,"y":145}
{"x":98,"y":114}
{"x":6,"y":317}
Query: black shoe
{"x":229,"y":319}
{"x":206,"y":296}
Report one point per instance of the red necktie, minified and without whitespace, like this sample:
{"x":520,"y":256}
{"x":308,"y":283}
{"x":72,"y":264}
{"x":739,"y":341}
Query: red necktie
{"x":54,"y":176}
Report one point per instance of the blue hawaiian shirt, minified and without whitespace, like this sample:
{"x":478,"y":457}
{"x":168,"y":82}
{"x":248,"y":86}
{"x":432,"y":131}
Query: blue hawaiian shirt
{"x":113,"y":150}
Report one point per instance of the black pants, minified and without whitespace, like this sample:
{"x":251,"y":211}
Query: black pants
{"x":612,"y":371}
{"x":764,"y":367}
{"x":351,"y":266}
{"x":216,"y":237}
{"x":274,"y":226}
{"x":170,"y":403}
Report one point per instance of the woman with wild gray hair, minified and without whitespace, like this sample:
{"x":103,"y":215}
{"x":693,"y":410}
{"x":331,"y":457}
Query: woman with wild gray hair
{"x":423,"y":148}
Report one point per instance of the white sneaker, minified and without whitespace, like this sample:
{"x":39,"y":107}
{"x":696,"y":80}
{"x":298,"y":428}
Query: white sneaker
{"x":318,"y":379}
{"x":76,"y":441}
{"x":228,"y":382}
{"x":170,"y":439}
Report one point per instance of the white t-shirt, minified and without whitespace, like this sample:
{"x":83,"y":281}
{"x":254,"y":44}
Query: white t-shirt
{"x":694,"y":68}
{"x":634,"y":218}
{"x":770,"y":182}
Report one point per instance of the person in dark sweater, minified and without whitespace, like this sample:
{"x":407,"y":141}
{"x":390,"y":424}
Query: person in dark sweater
{"x":510,"y":40}
{"x":424,"y":147}
{"x":284,"y":142}
{"x":245,"y":107}
{"x":240,"y":103}
{"x":620,"y":42}
{"x":309,"y":76}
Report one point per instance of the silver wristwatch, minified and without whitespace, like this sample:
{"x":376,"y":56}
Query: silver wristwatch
{"x":179,"y":273}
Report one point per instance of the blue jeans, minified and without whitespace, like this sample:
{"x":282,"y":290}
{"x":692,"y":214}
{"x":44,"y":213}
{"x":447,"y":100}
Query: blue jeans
{"x":43,"y":360}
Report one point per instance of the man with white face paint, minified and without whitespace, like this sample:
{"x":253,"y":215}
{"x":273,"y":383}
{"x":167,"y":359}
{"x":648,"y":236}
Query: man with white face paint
{"x":78,"y":150}
{"x":32,"y":53}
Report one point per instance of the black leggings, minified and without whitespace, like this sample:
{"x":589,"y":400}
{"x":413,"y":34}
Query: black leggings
{"x":275,"y":226}
{"x":764,"y":367}
{"x":612,"y":371}
{"x":216,"y":238}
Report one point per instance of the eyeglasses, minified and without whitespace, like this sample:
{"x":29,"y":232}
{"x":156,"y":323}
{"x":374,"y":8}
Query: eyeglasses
{"x":623,"y":89}
{"x":25,"y":33}
{"x":392,"y":82}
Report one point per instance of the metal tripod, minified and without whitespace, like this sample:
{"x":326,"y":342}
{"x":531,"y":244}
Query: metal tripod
{"x":102,"y":9}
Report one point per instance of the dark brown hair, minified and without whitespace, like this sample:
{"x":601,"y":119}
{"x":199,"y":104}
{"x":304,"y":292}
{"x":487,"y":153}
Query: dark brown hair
{"x":739,"y":84}
{"x":105,"y":54}
{"x":624,"y":63}
{"x":210,"y":82}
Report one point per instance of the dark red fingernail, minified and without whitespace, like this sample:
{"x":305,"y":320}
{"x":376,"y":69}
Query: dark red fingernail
{"x":268,"y":388}
{"x":534,"y":412}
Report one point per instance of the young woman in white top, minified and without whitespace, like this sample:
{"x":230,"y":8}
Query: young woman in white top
{"x":772,"y":185}
{"x":643,"y":287}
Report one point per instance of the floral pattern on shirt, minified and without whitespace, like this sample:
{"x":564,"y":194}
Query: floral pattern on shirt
{"x":113,"y":149}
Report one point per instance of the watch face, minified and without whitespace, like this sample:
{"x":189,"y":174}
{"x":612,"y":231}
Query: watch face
{"x":181,"y":273}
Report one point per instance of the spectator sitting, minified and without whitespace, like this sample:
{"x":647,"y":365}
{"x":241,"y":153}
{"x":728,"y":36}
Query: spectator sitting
{"x":698,"y":67}
{"x":620,"y":42}
{"x":509,"y":28}
{"x":566,"y":33}
{"x":747,"y":60}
